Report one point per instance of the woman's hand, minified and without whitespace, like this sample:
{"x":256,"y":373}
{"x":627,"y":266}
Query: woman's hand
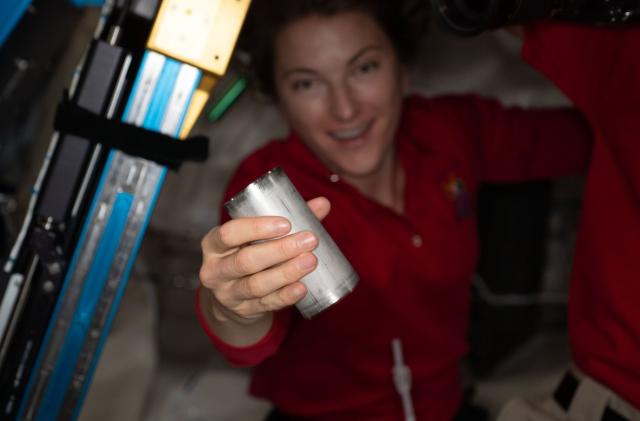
{"x":249,"y":278}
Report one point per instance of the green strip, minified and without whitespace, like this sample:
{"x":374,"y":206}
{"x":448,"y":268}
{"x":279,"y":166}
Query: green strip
{"x":228,"y":99}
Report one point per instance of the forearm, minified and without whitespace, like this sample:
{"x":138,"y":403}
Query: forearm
{"x":537,"y":144}
{"x":562,"y":144}
{"x":229,"y":331}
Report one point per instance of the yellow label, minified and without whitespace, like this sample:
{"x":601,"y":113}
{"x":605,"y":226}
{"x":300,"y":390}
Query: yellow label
{"x":199,"y":32}
{"x":198,"y":101}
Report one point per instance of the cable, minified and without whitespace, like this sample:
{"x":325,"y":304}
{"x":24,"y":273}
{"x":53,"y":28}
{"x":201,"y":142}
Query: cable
{"x":114,"y":33}
{"x":402,"y":380}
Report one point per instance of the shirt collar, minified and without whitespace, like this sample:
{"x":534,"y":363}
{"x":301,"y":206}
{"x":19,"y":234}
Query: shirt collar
{"x":299,"y":155}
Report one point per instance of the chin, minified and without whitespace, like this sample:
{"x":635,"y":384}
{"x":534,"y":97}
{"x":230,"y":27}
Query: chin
{"x":360,"y":170}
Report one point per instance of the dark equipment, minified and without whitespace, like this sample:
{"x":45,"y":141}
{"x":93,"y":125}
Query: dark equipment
{"x":470,"y":17}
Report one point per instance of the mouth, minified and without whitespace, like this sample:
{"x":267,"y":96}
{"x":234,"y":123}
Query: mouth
{"x":352,"y":133}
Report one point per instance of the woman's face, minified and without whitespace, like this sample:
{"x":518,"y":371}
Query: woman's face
{"x":340,"y":86}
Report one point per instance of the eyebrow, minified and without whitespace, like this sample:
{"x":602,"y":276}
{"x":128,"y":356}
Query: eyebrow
{"x":362,"y":52}
{"x":352,"y":60}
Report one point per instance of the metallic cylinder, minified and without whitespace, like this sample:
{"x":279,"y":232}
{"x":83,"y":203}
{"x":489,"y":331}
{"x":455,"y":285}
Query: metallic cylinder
{"x":273,"y":194}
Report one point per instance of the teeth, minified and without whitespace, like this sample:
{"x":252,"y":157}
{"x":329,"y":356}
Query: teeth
{"x":349,"y":134}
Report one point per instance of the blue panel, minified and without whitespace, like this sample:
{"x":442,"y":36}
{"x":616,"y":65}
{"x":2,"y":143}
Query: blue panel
{"x":82,"y":3}
{"x":135,"y":87}
{"x":87,"y":302}
{"x":188,"y":104}
{"x":67,"y":281}
{"x":118,"y":297}
{"x":161,"y":96}
{"x":10,"y":13}
{"x":94,"y":283}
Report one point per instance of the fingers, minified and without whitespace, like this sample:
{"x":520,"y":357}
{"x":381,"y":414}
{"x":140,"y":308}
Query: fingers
{"x":258,"y":257}
{"x":284,"y":297}
{"x":240,"y":231}
{"x":281,"y":298}
{"x":268,"y":290}
{"x":267,"y":282}
{"x":249,"y":276}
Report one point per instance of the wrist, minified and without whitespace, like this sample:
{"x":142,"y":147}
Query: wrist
{"x":230,"y":328}
{"x":220,"y":314}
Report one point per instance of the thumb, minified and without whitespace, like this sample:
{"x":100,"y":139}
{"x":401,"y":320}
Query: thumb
{"x":320,"y":206}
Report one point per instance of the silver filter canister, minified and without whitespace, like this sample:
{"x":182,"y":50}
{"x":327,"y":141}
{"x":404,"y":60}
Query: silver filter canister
{"x":273,"y":194}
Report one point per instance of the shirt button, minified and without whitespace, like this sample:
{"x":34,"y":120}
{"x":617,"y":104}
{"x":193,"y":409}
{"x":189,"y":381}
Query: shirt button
{"x":334,"y":178}
{"x":416,"y":240}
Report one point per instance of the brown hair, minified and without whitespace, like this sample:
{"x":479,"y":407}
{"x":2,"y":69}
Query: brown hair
{"x":403,"y":21}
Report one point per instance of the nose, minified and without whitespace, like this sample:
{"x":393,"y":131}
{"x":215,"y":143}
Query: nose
{"x":344,"y":104}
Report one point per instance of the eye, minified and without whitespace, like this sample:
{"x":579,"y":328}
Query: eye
{"x":368,"y":67}
{"x":302,"y":84}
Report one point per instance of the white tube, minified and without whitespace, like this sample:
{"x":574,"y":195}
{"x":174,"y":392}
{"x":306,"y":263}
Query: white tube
{"x":402,"y":380}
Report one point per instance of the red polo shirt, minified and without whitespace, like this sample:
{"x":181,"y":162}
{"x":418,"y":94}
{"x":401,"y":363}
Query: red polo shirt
{"x":415,"y":269}
{"x":599,"y":69}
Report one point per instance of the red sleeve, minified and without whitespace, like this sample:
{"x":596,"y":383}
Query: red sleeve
{"x":501,"y":144}
{"x":253,"y":354}
{"x":598,"y":70}
{"x":596,"y":67}
{"x":565,"y":54}
{"x":513,"y":144}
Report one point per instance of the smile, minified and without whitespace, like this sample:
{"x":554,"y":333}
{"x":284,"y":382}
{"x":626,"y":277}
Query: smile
{"x":350,"y":134}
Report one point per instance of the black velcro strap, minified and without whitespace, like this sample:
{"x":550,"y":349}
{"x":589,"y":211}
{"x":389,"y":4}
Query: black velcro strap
{"x":611,"y":415}
{"x":566,"y":390}
{"x":563,"y":394}
{"x":133,"y":140}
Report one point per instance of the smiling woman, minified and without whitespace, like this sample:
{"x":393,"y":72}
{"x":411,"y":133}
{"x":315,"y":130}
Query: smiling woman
{"x":400,"y":173}
{"x":342,"y":88}
{"x":342,"y":91}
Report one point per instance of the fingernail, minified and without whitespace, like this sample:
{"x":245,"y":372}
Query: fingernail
{"x":306,"y":241}
{"x":297,"y":290}
{"x":306,"y":262}
{"x":281,"y":227}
